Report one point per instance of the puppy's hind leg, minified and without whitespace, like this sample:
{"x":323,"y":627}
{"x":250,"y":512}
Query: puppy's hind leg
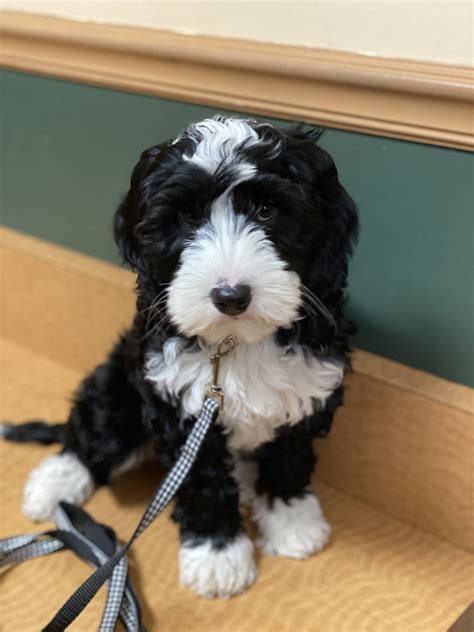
{"x":65,"y":477}
{"x":57,"y":478}
{"x":103,"y":437}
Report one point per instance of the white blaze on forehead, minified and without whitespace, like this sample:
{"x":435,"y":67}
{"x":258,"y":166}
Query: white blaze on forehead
{"x":230,"y":249}
{"x":217,"y":140}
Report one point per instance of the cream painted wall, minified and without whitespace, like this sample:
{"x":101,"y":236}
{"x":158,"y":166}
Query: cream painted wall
{"x":416,"y":29}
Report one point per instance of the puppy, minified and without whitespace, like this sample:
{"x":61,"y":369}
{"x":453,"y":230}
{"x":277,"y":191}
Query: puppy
{"x":233,"y":228}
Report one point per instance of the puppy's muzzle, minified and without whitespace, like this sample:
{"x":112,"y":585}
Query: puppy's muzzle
{"x":232,"y":300}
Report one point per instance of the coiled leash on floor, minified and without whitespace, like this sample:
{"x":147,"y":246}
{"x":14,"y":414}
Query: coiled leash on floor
{"x":92,"y":542}
{"x":111,"y":564}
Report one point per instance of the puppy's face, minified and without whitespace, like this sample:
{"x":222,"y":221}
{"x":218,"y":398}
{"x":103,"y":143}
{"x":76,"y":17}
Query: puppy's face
{"x":237,"y":220}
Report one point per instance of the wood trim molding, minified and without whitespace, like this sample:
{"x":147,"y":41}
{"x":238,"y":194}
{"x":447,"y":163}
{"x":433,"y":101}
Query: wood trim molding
{"x":414,"y":381}
{"x":417,"y":101}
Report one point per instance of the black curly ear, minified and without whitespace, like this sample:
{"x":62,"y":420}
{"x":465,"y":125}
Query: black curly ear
{"x":338,"y":227}
{"x":125,"y":221}
{"x":334,"y":244}
{"x":131,"y":210}
{"x":304,"y":131}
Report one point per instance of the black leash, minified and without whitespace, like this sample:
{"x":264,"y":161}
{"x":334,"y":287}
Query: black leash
{"x":98,"y":548}
{"x":92,"y":542}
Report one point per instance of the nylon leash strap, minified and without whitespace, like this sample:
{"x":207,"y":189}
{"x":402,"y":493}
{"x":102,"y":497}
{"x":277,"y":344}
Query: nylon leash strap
{"x":92,"y":542}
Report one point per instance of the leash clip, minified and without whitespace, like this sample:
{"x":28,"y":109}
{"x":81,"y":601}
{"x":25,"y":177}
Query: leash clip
{"x":224,"y":348}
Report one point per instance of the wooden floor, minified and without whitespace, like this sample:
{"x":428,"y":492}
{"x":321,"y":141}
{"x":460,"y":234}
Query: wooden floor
{"x":378,"y":574}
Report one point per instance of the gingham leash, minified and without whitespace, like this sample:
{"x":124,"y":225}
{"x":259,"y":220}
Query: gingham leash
{"x":112,"y":565}
{"x":92,"y":542}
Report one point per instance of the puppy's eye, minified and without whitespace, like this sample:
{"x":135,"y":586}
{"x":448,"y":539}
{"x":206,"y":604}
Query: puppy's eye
{"x":266,"y":213}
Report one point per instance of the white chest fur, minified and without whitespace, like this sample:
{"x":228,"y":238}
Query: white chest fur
{"x":264,"y":385}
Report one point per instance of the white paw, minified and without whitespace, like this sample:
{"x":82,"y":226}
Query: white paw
{"x":214,"y":572}
{"x":294,"y":529}
{"x":57,"y":478}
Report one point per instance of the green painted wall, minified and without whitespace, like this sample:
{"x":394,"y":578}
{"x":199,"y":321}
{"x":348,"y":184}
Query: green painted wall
{"x":67,"y":152}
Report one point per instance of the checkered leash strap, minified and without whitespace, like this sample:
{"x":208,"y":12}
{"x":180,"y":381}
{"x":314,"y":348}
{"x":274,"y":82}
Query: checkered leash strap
{"x":94,"y":543}
{"x":164,"y":494}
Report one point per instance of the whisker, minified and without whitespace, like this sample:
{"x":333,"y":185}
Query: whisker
{"x":319,"y":305}
{"x":308,"y":309}
{"x":161,"y":324}
{"x":159,"y":298}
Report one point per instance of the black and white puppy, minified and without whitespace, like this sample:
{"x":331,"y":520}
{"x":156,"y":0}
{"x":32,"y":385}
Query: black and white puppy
{"x":233,"y":228}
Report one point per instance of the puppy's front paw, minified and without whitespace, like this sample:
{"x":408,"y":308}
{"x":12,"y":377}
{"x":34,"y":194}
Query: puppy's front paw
{"x":296,"y":528}
{"x":212,"y":572}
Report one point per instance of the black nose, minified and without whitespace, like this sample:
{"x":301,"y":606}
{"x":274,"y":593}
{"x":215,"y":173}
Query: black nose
{"x":231,"y":300}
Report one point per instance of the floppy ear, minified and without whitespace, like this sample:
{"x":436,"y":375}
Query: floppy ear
{"x":124,"y":232}
{"x":337,"y":213}
{"x":131,"y":211}
{"x":335,"y":242}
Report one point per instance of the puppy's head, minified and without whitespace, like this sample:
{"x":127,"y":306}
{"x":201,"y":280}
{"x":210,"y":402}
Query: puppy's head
{"x":234,"y":222}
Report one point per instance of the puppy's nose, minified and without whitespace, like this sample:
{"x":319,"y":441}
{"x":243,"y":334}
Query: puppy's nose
{"x":232,"y":300}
